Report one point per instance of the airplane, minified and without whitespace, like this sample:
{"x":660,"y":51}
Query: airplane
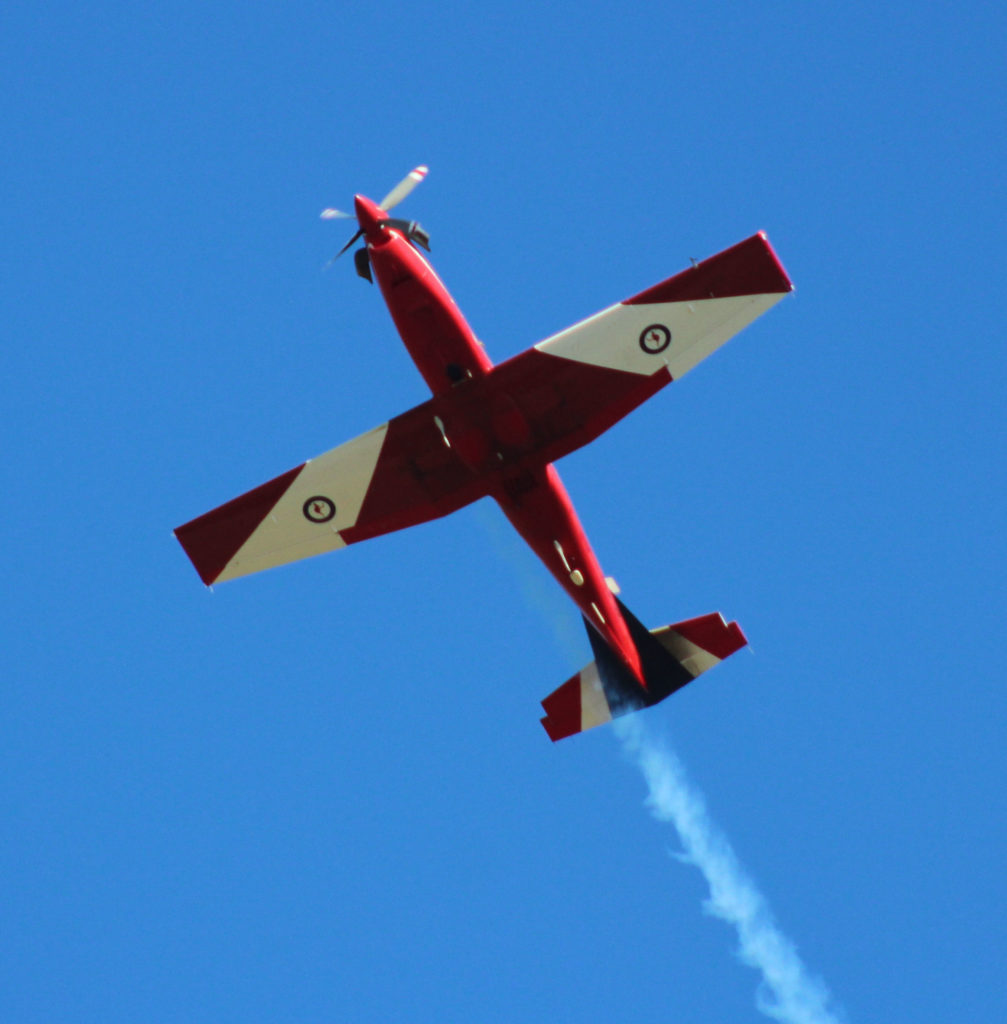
{"x":496,"y":431}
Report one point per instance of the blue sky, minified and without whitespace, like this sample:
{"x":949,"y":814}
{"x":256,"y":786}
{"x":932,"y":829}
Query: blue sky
{"x":322,"y":793}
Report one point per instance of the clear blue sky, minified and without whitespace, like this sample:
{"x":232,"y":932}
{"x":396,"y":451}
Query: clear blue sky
{"x":322,"y":794}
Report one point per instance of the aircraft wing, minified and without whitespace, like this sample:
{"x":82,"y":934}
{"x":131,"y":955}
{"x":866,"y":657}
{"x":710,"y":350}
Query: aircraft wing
{"x":575,"y":384}
{"x":397,"y":475}
{"x":681,"y":321}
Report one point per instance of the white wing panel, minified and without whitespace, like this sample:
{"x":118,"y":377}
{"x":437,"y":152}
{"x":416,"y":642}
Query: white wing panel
{"x":324,"y":498}
{"x":645,"y":338}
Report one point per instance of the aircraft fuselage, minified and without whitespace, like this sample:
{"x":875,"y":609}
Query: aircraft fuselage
{"x":488,"y":430}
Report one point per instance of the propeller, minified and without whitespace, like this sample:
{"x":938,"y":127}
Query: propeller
{"x":411,"y":229}
{"x":404,"y":187}
{"x":397,"y":194}
{"x":348,"y":244}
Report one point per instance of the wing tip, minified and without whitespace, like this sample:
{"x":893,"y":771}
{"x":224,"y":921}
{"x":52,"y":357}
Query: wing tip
{"x":205,"y":567}
{"x":786,"y":284}
{"x":750,"y":267}
{"x":214,"y":538}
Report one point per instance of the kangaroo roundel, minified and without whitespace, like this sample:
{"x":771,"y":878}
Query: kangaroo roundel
{"x":319,"y":509}
{"x":655,"y":339}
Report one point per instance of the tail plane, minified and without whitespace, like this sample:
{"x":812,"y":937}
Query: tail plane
{"x":672,"y":656}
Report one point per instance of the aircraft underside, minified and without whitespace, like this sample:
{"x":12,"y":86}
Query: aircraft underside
{"x":495,"y":431}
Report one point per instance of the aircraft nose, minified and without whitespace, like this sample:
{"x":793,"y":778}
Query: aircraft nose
{"x":368,"y":215}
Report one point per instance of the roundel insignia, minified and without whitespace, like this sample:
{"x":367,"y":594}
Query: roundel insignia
{"x":655,"y":338}
{"x":319,"y":509}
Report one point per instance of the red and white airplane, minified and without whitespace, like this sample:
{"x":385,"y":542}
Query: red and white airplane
{"x":496,"y":431}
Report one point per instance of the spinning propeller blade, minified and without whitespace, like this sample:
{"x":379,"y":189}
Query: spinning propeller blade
{"x":348,"y":244}
{"x":344,"y":248}
{"x":404,"y":187}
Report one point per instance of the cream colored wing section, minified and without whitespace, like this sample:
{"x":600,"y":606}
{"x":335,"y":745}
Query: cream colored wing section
{"x":296,"y":515}
{"x":323,"y":500}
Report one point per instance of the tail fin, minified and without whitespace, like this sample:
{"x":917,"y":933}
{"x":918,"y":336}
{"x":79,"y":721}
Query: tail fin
{"x":672,"y":656}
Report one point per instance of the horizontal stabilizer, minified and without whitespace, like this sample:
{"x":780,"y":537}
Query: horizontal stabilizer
{"x":672,"y":656}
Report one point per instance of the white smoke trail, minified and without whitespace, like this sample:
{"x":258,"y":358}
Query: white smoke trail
{"x":786,"y":992}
